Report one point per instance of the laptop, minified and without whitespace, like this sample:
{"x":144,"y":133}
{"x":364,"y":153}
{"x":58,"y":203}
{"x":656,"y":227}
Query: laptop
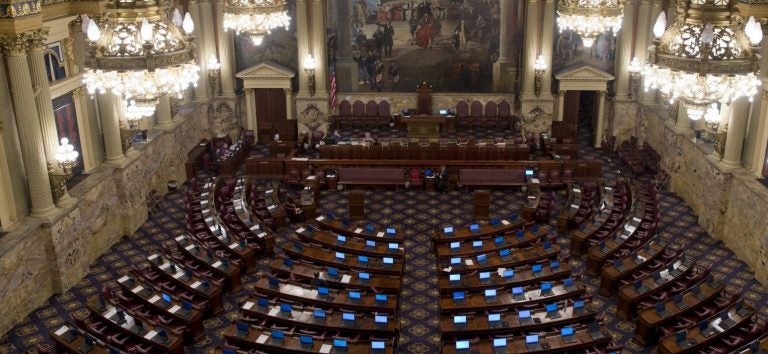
{"x":519,"y":233}
{"x":477,"y":244}
{"x":324,"y":293}
{"x":495,"y":222}
{"x":369,"y":228}
{"x":524,"y":316}
{"x":362,"y":259}
{"x":341,"y":239}
{"x":595,"y":332}
{"x":388,"y":262}
{"x":339,"y":257}
{"x":459,"y":298}
{"x":332,"y":272}
{"x":339,"y":345}
{"x":518,"y":293}
{"x":578,"y":307}
{"x":262,"y":302}
{"x":242,"y":329}
{"x":536,"y":268}
{"x":459,"y":321}
{"x":500,"y":345}
{"x":186,"y":307}
{"x":566,"y":335}
{"x":552,"y":311}
{"x":456,"y":262}
{"x":286,"y":310}
{"x":568,"y":284}
{"x":546,"y":288}
{"x":277,"y":336}
{"x":677,"y":299}
{"x":287,"y":263}
{"x":455,"y":246}
{"x":391,"y":231}
{"x":528,"y":173}
{"x":448,"y":230}
{"x":87,"y":345}
{"x":462,"y":346}
{"x":380,"y":320}
{"x":554,"y":265}
{"x":481,"y":258}
{"x":532,"y":342}
{"x":508,"y":273}
{"x":364,"y":277}
{"x":354,"y":297}
{"x":273,"y":282}
{"x":306,"y":342}
{"x":504,"y":254}
{"x":639,"y":287}
{"x":348,"y":319}
{"x":381,"y":299}
{"x":393,"y":247}
{"x":490,"y":296}
{"x":378,"y":347}
{"x":705,"y":329}
{"x":494,"y":320}
{"x":166,"y":300}
{"x":318,"y":316}
{"x":485,"y":277}
{"x":681,"y":338}
{"x":657,"y":278}
{"x":498,"y":240}
{"x":370,"y":244}
{"x":474,"y":228}
{"x":725,"y":320}
{"x":454,"y":279}
{"x":661,"y":309}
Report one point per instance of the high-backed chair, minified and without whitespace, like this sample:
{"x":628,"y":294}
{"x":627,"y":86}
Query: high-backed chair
{"x":384,"y":113}
{"x":462,"y":113}
{"x":505,"y":114}
{"x":475,"y":113}
{"x":358,"y":113}
{"x":344,"y":118}
{"x":371,"y":113}
{"x":491,"y":115}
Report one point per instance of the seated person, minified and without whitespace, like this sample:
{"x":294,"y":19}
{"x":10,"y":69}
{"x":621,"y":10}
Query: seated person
{"x":277,"y":137}
{"x":368,"y":139}
{"x":333,"y":138}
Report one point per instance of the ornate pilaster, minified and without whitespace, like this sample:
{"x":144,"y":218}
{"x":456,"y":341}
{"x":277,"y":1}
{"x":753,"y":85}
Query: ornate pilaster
{"x":15,"y":47}
{"x":624,"y":52}
{"x":531,"y":46}
{"x":201,"y":90}
{"x":683,"y":124}
{"x":761,"y":140}
{"x":109,"y":112}
{"x":737,"y":129}
{"x":164,"y":117}
{"x":547,"y":43}
{"x":226,"y":45}
{"x":600,"y":120}
{"x":649,"y":98}
{"x":36,"y":56}
{"x":507,"y":27}
{"x":206,"y":40}
{"x":319,"y":47}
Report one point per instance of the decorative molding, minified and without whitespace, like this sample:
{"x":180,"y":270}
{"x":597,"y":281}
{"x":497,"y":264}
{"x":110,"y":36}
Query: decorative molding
{"x":20,"y":9}
{"x":19,"y":43}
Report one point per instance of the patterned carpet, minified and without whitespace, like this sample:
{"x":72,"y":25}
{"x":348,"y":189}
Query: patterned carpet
{"x":412,"y":212}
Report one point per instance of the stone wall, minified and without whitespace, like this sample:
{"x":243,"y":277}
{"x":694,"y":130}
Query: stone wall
{"x":39,"y":260}
{"x":731,"y":204}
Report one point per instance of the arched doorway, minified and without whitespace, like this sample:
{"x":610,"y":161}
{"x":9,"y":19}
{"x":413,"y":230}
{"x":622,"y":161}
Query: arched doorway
{"x":582,"y":91}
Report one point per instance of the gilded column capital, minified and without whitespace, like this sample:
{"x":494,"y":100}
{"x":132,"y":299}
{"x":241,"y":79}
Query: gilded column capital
{"x":37,"y":38}
{"x":657,"y":3}
{"x":78,"y":92}
{"x":19,"y":43}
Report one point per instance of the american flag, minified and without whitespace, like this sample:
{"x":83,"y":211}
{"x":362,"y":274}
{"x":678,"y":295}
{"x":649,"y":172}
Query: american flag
{"x":333,"y":83}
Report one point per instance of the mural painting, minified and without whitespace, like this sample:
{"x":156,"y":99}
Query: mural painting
{"x":397,"y":44}
{"x":569,"y":50}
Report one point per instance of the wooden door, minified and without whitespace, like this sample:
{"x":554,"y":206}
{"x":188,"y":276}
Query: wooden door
{"x":270,"y":113}
{"x":571,"y":107}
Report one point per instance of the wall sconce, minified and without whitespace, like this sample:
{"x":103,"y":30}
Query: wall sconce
{"x":539,"y":68}
{"x":309,"y":67}
{"x":634,"y":76}
{"x":214,"y":72}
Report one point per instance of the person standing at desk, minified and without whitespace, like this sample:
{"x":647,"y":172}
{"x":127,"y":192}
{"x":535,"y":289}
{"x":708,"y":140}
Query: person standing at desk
{"x":442,"y":179}
{"x":368,"y":139}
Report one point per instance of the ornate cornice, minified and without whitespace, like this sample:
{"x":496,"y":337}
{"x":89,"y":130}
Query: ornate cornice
{"x":20,"y":8}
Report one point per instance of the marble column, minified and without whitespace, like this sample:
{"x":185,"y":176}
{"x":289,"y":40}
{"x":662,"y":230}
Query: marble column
{"x":226,"y":46}
{"x":164,"y":116}
{"x":250,"y":110}
{"x":683,"y":123}
{"x":624,"y":51}
{"x":319,"y":46}
{"x":758,"y":148}
{"x":648,"y":97}
{"x":109,"y":112}
{"x":531,"y":46}
{"x":206,"y":39}
{"x":289,"y":104}
{"x":201,"y":90}
{"x":506,"y":35}
{"x":547,"y":38}
{"x":304,"y":44}
{"x":87,"y":137}
{"x":600,"y":120}
{"x":346,"y":68}
{"x":643,"y":30}
{"x":737,"y":129}
{"x":42,"y":91}
{"x":560,"y":105}
{"x":28,"y":123}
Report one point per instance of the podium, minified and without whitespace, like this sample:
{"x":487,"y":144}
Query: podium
{"x":356,"y":203}
{"x":482,"y":204}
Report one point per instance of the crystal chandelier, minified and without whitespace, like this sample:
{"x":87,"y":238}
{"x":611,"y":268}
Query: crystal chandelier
{"x":255,"y":18}
{"x":66,"y":156}
{"x":707,"y":56}
{"x":136,"y":110}
{"x":137,"y":53}
{"x":590,"y":18}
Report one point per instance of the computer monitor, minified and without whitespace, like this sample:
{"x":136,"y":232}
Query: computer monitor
{"x":448,"y":230}
{"x":167,"y":298}
{"x":333,"y":272}
{"x":307,"y":340}
{"x":523,"y":314}
{"x":474,"y":227}
{"x":286,"y":308}
{"x":552,"y":307}
{"x":458,"y":295}
{"x":362,"y":259}
{"x":348,"y":316}
{"x":455,"y":260}
{"x":490,"y":292}
{"x":546,"y":286}
{"x":477,"y":244}
{"x":508,"y":273}
{"x":381,"y":319}
{"x":455,"y":245}
{"x":462,"y":344}
{"x":340,"y":343}
{"x":528,"y":173}
{"x":393,"y":246}
{"x":518,"y":290}
{"x":532,"y":339}
{"x":499,"y":240}
{"x":262,"y":302}
{"x":364,"y":276}
{"x":578,"y":304}
{"x":340,"y":255}
{"x":278,"y":334}
{"x":390,"y":231}
{"x":318,"y":313}
{"x":443,"y":112}
{"x":494,"y":317}
{"x":322,"y":291}
{"x":568,"y":282}
{"x":370,"y":243}
{"x":566,"y":331}
{"x":389,"y":260}
{"x":500,"y":342}
{"x":341,"y":238}
{"x":485,"y":275}
{"x":495,"y":221}
{"x":378,"y":345}
{"x":454,"y":277}
{"x":504,"y":253}
{"x":381,"y":297}
{"x":354,"y":295}
{"x":536,"y":268}
{"x":460,"y":319}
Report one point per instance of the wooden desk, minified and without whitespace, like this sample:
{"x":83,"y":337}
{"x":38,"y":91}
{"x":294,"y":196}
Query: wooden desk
{"x":193,"y":284}
{"x":327,"y":258}
{"x":522,"y":276}
{"x":306,"y":272}
{"x":337,"y":299}
{"x":148,"y":335}
{"x":490,"y":245}
{"x":337,"y":225}
{"x":259,"y":338}
{"x":423,"y":126}
{"x":611,"y":276}
{"x":517,"y":257}
{"x":195,"y":158}
{"x":504,"y":299}
{"x":669,"y":345}
{"x":649,"y":320}
{"x":352,"y":244}
{"x":303,"y":318}
{"x":72,"y":345}
{"x":485,"y":231}
{"x":478,"y":324}
{"x":629,"y":296}
{"x":550,"y":344}
{"x":208,"y":260}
